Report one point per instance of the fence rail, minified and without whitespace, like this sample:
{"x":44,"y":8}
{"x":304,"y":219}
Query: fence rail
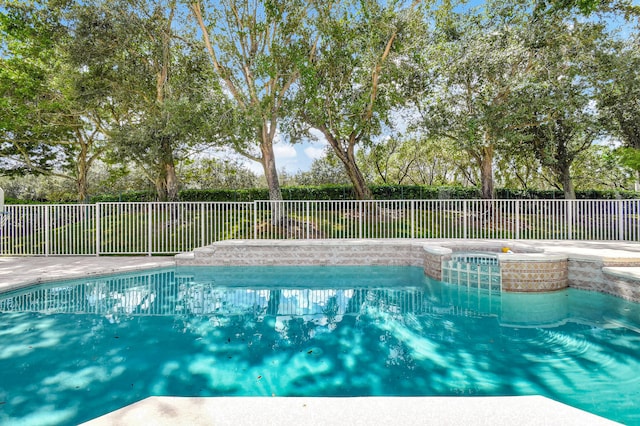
{"x":167,"y":228}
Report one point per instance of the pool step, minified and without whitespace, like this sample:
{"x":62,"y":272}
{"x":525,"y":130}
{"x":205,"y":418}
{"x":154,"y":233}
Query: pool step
{"x":473,"y":270}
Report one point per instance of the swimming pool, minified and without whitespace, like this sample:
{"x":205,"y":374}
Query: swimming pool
{"x":74,"y":350}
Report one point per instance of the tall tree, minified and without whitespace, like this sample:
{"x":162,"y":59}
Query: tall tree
{"x":556,"y":106}
{"x":347,"y":91}
{"x":156,"y":86}
{"x":45,"y":128}
{"x":255,"y":48}
{"x":480,"y":59}
{"x":618,"y":96}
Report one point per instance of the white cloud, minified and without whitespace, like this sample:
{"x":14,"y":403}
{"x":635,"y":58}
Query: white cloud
{"x":315,"y":147}
{"x":317,"y":135}
{"x":292,"y":158}
{"x":284,"y":150}
{"x":254,"y":166}
{"x":314,"y":152}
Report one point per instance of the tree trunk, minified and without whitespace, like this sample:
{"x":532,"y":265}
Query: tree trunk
{"x":360,"y":187}
{"x":270,"y":171}
{"x":171,"y":182}
{"x":567,"y":183}
{"x":82,"y":168}
{"x":486,"y":172}
{"x":82,"y":181}
{"x":273,"y":183}
{"x":82,"y":187}
{"x":167,"y":179}
{"x":347,"y":156}
{"x":161,"y":193}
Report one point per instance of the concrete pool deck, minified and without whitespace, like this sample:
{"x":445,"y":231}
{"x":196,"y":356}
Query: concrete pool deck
{"x":365,"y":411}
{"x":17,"y":272}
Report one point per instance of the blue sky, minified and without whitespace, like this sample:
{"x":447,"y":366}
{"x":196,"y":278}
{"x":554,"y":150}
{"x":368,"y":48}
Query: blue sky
{"x":291,"y":157}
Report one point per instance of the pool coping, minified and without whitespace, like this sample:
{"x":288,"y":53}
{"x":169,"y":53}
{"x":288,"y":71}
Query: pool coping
{"x":20,"y":272}
{"x":327,"y":411}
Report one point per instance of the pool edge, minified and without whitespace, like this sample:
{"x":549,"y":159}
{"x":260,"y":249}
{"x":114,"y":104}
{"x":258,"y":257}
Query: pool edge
{"x":494,"y":411}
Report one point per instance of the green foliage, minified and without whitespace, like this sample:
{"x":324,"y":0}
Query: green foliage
{"x":630,"y":157}
{"x":381,"y":192}
{"x":214,"y":173}
{"x":16,"y":201}
{"x":527,"y":89}
{"x":618,"y":91}
{"x":324,"y":171}
{"x":34,"y":115}
{"x":126,"y":197}
{"x":350,"y":87}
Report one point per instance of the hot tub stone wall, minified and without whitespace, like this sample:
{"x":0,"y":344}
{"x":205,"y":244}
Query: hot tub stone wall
{"x":534,"y":272}
{"x":433,"y":258}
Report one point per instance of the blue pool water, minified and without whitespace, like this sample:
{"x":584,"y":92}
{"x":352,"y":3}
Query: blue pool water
{"x":73,"y":351}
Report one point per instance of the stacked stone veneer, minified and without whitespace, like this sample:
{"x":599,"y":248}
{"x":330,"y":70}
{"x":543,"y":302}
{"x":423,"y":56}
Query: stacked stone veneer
{"x":306,"y":252}
{"x":620,"y":282}
{"x":603,"y":274}
{"x":433,"y":258}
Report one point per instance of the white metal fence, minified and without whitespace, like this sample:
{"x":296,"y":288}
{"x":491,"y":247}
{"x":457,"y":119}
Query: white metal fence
{"x":166,"y":228}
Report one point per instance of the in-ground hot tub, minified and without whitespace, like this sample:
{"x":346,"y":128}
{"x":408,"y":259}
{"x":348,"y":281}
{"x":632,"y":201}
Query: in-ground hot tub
{"x":494,"y":269}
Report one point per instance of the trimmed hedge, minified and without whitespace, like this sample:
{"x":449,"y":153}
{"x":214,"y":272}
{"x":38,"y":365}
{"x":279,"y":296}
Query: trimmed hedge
{"x":380,"y":192}
{"x":9,"y":200}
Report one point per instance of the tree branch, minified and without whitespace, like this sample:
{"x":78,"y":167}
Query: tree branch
{"x":220,"y":70}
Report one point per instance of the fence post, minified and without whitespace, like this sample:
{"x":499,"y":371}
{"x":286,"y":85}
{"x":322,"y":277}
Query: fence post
{"x":413,"y":219}
{"x":98,"y":230}
{"x":517,"y":213}
{"x":46,"y":230}
{"x":620,"y":216}
{"x":255,"y":220}
{"x":569,"y":216}
{"x":149,"y":228}
{"x":465,"y":215}
{"x":203,"y":234}
{"x":308,"y":218}
{"x":360,"y":203}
